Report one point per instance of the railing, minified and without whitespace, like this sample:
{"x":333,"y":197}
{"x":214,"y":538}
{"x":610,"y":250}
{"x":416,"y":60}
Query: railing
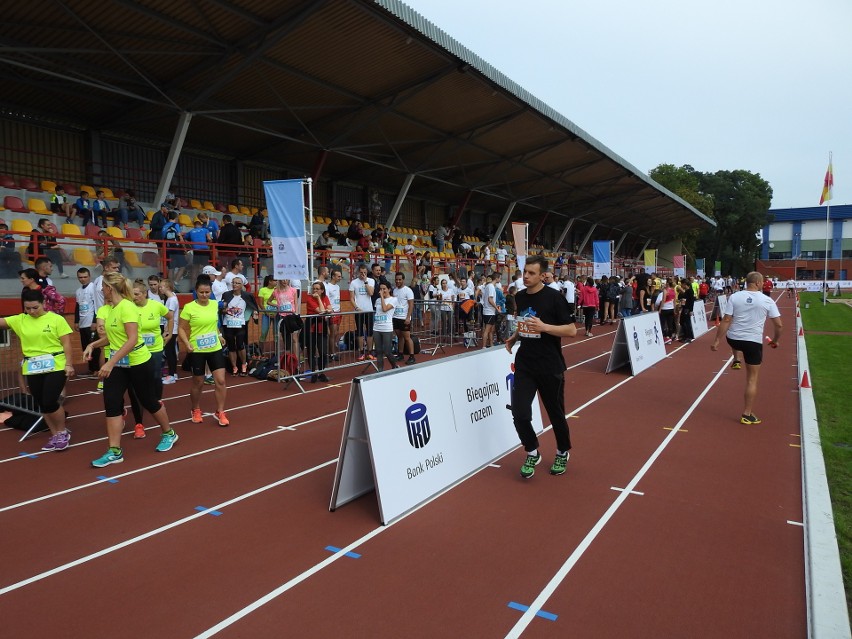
{"x":14,"y":394}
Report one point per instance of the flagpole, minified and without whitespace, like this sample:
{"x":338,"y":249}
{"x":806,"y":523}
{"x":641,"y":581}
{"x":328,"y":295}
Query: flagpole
{"x":827,"y":238}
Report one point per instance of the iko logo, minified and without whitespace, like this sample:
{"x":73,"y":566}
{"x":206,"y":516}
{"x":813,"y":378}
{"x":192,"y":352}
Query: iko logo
{"x":417,"y":422}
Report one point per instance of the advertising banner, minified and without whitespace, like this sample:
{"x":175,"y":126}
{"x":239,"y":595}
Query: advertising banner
{"x":679,"y":264}
{"x":520,"y":233}
{"x":602,"y":256}
{"x":639,"y":342}
{"x":699,"y":266}
{"x":650,"y":260}
{"x":285,"y":201}
{"x":699,"y":319}
{"x":717,"y":268}
{"x":411,"y":433}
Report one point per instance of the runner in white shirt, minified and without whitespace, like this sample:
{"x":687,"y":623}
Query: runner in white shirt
{"x":519,"y":282}
{"x":360,"y":292}
{"x":84,"y":315}
{"x":570,"y":291}
{"x":489,"y":312}
{"x":742,"y":327}
{"x":402,"y":313}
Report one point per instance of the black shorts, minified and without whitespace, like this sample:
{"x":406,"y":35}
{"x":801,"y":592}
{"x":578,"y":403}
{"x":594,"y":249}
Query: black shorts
{"x":489,"y":319}
{"x":752,"y":351}
{"x":364,"y":324}
{"x":214,"y":360}
{"x":399,"y":324}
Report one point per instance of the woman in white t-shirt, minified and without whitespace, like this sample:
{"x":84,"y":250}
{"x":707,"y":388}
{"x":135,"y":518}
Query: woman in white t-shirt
{"x":383,"y":327}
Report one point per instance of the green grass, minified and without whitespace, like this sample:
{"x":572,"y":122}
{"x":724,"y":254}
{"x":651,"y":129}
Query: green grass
{"x":830,"y":358}
{"x":831,"y":317}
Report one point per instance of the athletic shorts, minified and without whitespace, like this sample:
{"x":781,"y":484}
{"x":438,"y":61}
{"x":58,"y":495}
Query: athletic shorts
{"x":364,"y":324}
{"x":214,"y":360}
{"x":752,"y":351}
{"x":399,"y":324}
{"x":489,"y":319}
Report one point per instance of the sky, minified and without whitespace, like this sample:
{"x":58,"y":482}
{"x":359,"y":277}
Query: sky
{"x":760,"y":85}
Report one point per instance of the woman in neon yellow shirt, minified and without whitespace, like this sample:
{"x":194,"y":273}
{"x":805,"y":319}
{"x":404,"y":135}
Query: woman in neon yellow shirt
{"x":264,"y":296}
{"x":199,"y":333}
{"x":129,"y":365}
{"x":46,"y":346}
{"x":150,"y":312}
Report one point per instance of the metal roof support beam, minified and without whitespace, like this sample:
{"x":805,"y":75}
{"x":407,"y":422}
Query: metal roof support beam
{"x":641,"y":255}
{"x":504,"y":221}
{"x":564,"y":233}
{"x":461,"y":209}
{"x":619,"y":243}
{"x":587,"y":238}
{"x":538,"y":227}
{"x":318,"y":165}
{"x":400,"y":198}
{"x":173,"y":157}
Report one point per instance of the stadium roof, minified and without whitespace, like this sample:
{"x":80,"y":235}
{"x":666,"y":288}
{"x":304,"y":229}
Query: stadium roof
{"x":382,"y":90}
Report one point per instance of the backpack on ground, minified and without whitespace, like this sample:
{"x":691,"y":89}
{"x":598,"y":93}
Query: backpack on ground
{"x":289,"y":364}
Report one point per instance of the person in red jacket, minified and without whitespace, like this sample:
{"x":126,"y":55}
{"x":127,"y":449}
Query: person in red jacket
{"x":589,"y":300}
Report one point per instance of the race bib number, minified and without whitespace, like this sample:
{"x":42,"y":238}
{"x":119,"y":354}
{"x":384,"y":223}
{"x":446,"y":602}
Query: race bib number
{"x":525,"y":330}
{"x":85,"y":308}
{"x":233,"y":321}
{"x":382,"y":319}
{"x":39,"y":364}
{"x":400,"y":312}
{"x":124,"y":362}
{"x":208,"y":340}
{"x":287,"y":307}
{"x":148,"y":338}
{"x":271,"y":307}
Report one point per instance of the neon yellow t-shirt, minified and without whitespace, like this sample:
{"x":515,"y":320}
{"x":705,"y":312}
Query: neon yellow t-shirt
{"x":125,"y":312}
{"x":203,"y":326}
{"x":263,"y":295}
{"x":149,"y":324}
{"x":101,"y":314}
{"x":40,"y":343}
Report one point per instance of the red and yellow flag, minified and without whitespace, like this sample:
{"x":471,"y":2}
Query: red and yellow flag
{"x":827,"y":185}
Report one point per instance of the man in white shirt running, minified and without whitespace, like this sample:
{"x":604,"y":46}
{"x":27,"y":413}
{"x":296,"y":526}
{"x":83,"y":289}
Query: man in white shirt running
{"x":742,"y":326}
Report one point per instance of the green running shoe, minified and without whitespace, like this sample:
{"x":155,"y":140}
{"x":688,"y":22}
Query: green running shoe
{"x":528,"y":469}
{"x":559,"y":464}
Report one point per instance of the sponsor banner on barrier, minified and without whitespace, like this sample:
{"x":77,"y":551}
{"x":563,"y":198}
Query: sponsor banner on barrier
{"x":639,"y":342}
{"x":411,"y":433}
{"x":699,"y":320}
{"x":810,"y":285}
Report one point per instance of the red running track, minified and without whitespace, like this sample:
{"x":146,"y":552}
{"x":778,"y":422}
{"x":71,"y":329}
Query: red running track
{"x":700,"y":546}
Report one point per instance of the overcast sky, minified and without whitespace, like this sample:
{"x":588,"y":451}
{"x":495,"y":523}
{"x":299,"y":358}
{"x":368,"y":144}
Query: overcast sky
{"x":761,"y":85}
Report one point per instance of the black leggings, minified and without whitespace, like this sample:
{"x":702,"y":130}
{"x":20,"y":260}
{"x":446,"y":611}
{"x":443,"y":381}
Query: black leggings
{"x":236,"y":338}
{"x":121,"y":379}
{"x":667,"y":319}
{"x":589,"y":317}
{"x":46,"y":389}
{"x":135,"y":405}
{"x":170,"y":352}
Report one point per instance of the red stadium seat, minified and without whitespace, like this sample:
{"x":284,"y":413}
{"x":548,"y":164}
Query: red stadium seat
{"x":92,"y":230}
{"x":134,"y":234}
{"x":221,"y":207}
{"x":7,"y":182}
{"x":29,"y":185}
{"x":14,"y":204}
{"x":70,"y":189}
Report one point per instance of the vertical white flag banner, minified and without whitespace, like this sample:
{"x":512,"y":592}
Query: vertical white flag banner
{"x":520,"y":232}
{"x":285,"y":201}
{"x":602,"y":254}
{"x":679,"y":263}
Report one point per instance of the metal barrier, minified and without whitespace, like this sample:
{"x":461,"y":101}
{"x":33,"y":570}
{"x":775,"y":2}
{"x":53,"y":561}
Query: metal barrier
{"x":437,"y":323}
{"x":14,"y":393}
{"x":303,"y":351}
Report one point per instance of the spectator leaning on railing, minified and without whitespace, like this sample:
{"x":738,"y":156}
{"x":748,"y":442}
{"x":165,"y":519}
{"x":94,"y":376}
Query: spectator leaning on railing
{"x":10,"y":259}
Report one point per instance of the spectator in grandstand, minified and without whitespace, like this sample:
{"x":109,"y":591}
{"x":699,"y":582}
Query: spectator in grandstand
{"x":543,"y":321}
{"x":101,"y":208}
{"x":425,"y":266}
{"x":383,"y":326}
{"x":84,"y":315}
{"x":439,"y":237}
{"x":230,"y":237}
{"x":131,"y":212}
{"x":410,"y":252}
{"x":46,"y":345}
{"x":150,"y":314}
{"x":501,"y":254}
{"x":323,"y":242}
{"x":109,"y":246}
{"x":44,"y":242}
{"x":361,"y":291}
{"x":742,"y":328}
{"x":210,"y":225}
{"x":402,"y":314}
{"x":129,"y":365}
{"x":83,"y":208}
{"x":170,"y":330}
{"x":199,"y":240}
{"x":589,"y":302}
{"x":10,"y":259}
{"x":354,"y":233}
{"x":317,"y":308}
{"x":158,"y":221}
{"x":288,"y":303}
{"x":199,"y":333}
{"x":237,"y":305}
{"x":257,"y":226}
{"x":59,"y":203}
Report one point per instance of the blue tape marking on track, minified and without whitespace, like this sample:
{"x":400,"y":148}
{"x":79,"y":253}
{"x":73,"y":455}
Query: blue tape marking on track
{"x":30,"y":455}
{"x":215,"y":513}
{"x":109,"y":480}
{"x":541,"y":613}
{"x":351,"y":555}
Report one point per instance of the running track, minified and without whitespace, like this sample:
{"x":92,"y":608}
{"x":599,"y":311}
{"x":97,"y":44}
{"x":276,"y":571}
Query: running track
{"x":673,"y":520}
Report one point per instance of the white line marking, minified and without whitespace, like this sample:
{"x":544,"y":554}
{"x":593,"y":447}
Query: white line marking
{"x":795,"y":523}
{"x":624,"y":490}
{"x":494,"y":465}
{"x":572,"y":560}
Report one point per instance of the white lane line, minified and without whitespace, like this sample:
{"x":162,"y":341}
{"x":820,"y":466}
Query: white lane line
{"x":157,"y":531}
{"x":572,"y":560}
{"x":624,"y":490}
{"x":163,"y":463}
{"x":795,"y":523}
{"x":587,"y":339}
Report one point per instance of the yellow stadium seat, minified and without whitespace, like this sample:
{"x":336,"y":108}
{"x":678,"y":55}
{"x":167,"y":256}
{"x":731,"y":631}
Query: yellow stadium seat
{"x":397,"y":251}
{"x":21,"y":226}
{"x":47,"y":185}
{"x":133,"y":260}
{"x":88,"y":189}
{"x":195,"y":204}
{"x":70,"y":229}
{"x":244,"y":210}
{"x":184,"y":220}
{"x":114,"y":231}
{"x":149,"y":215}
{"x":232,"y":208}
{"x":208,"y":206}
{"x":84,"y":257}
{"x":254,"y":210}
{"x":107,"y":193}
{"x":38,"y":206}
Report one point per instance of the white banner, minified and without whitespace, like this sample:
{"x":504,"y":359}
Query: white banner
{"x":602,"y":258}
{"x":639,"y":341}
{"x":699,"y":319}
{"x":520,"y":233}
{"x":811,"y":285}
{"x":285,"y":201}
{"x":424,"y":428}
